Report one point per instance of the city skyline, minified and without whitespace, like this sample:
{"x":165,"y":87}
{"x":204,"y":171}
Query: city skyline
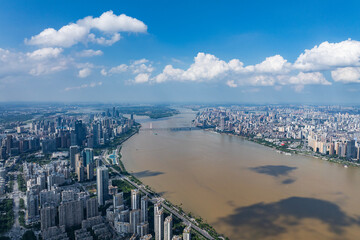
{"x":187,"y":52}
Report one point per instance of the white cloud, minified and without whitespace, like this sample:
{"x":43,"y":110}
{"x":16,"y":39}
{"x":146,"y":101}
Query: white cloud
{"x":140,"y":61}
{"x":274,"y":64}
{"x":90,"y":85}
{"x":137,"y":67}
{"x":231,"y":83}
{"x":329,"y":55}
{"x":108,"y":24}
{"x":119,"y":69}
{"x":40,"y":62}
{"x":104,"y":72}
{"x":306,"y":79}
{"x":346,"y":75}
{"x":142,"y":78}
{"x":142,"y":68}
{"x":273,"y":71}
{"x":103,"y":41}
{"x":44,"y":53}
{"x":205,"y":67}
{"x":85,"y":72}
{"x":90,"y":53}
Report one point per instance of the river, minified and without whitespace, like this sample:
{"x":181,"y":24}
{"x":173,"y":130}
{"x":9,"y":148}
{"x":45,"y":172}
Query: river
{"x":243,"y":189}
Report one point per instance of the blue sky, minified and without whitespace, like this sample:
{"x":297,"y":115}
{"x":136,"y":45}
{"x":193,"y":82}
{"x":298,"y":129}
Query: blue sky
{"x":180,"y":51}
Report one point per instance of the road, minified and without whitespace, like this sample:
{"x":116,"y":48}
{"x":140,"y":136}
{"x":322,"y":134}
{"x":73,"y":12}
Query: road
{"x":155,"y":199}
{"x":16,"y":231}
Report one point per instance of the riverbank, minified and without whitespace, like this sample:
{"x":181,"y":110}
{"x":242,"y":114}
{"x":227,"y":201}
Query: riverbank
{"x":285,"y":150}
{"x":205,"y":230}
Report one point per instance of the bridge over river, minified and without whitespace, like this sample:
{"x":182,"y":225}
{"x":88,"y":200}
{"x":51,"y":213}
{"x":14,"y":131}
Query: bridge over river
{"x":171,"y":129}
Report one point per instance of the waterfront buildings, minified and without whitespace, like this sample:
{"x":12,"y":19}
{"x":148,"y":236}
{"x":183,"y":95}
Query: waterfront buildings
{"x":168,"y":224}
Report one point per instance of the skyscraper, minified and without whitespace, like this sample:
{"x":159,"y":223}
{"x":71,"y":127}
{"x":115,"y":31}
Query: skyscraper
{"x":135,"y":199}
{"x":71,"y":213}
{"x":80,"y":131}
{"x":144,"y":209}
{"x":118,"y":199}
{"x":90,"y":171}
{"x":102,"y":184}
{"x":88,"y":156}
{"x":92,"y":208}
{"x":47,"y":216}
{"x":168,"y":223}
{"x":73,"y":151}
{"x":134,"y":219}
{"x":142,"y":229}
{"x":159,"y":224}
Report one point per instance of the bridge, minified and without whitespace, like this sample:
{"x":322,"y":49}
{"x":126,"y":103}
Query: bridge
{"x":174,"y":129}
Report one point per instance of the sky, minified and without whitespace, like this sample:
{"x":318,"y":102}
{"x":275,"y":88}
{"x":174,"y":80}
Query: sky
{"x":180,"y":51}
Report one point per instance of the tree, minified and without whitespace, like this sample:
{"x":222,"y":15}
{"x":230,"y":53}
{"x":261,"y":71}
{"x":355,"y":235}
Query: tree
{"x":29,"y":235}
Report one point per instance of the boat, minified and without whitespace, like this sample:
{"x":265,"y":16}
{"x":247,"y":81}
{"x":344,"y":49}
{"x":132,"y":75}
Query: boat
{"x":345,"y":166}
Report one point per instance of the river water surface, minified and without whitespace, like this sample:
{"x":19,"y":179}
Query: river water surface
{"x":243,"y":189}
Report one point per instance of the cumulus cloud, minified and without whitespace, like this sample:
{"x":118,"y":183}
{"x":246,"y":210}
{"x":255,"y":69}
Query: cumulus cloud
{"x":90,"y":53}
{"x":273,"y":71}
{"x":346,"y":75}
{"x":307,"y":78}
{"x":108,"y":24}
{"x":85,"y":72}
{"x":136,"y":67}
{"x":274,"y":64}
{"x":36,"y":63}
{"x":119,"y":69}
{"x":231,"y":83}
{"x":329,"y":55}
{"x":142,"y":78}
{"x":44,"y":53}
{"x":90,"y":85}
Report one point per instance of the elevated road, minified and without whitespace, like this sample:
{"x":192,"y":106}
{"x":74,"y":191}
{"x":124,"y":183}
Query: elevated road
{"x":154,"y":199}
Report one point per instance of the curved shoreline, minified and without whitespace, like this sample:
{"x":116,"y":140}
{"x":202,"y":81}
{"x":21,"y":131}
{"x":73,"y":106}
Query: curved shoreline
{"x":197,"y":221}
{"x":265,"y":143}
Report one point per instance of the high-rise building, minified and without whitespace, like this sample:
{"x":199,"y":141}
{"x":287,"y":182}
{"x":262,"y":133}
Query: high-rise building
{"x":159,"y":224}
{"x":134,"y":220}
{"x":95,"y":132}
{"x":88,"y":156}
{"x":187,"y":233}
{"x":92,"y":208}
{"x":71,"y":213}
{"x":350,"y":149}
{"x":9,"y":143}
{"x":102,"y":184}
{"x":168,"y":224}
{"x":80,"y":171}
{"x":48,"y":216}
{"x":80,"y":131}
{"x":135,"y":199}
{"x":32,"y":203}
{"x":142,"y":229}
{"x":73,"y":151}
{"x":144,"y":209}
{"x":90,"y":171}
{"x":118,"y":199}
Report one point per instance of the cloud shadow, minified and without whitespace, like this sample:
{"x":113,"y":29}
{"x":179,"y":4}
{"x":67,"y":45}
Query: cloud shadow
{"x":269,"y":220}
{"x":147,"y":173}
{"x":274,"y":170}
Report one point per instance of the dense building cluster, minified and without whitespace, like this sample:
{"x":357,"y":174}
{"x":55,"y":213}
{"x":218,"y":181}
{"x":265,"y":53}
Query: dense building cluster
{"x":326,"y":130}
{"x":63,"y":131}
{"x":65,"y":165}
